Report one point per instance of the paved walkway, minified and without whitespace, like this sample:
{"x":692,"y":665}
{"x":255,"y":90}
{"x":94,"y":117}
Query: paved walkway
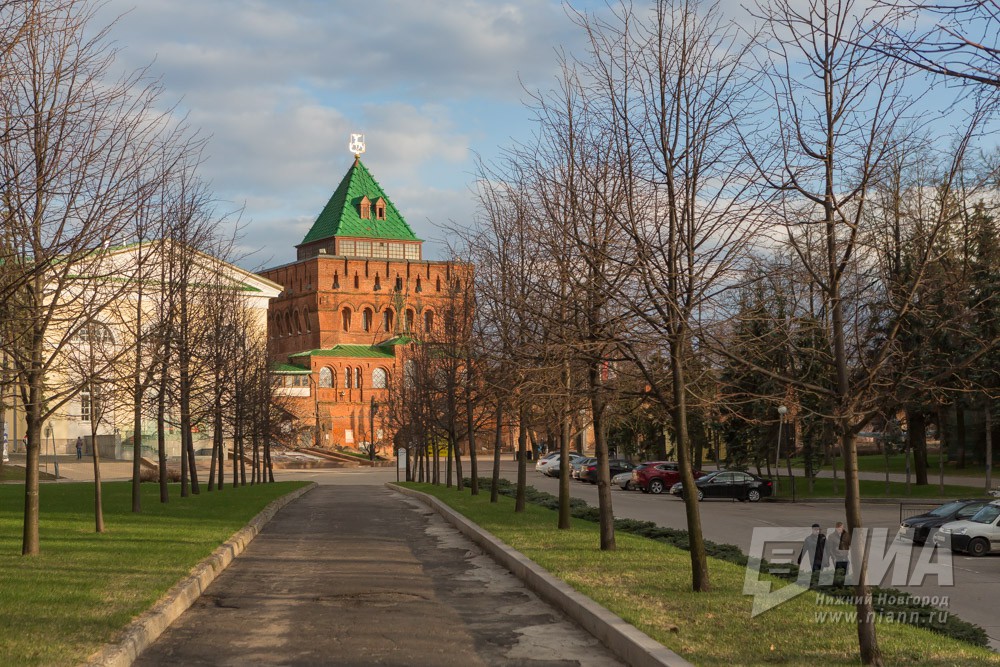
{"x":359,"y":575}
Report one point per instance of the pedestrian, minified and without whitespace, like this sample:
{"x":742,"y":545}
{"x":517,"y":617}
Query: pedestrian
{"x":839,"y":547}
{"x":813,"y":551}
{"x":79,"y":447}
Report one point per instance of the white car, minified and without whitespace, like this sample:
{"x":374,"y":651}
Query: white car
{"x":977,"y":536}
{"x":546,"y":461}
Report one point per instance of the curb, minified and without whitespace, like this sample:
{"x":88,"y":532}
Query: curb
{"x":633,"y":646}
{"x":149,"y":625}
{"x":868,"y":501}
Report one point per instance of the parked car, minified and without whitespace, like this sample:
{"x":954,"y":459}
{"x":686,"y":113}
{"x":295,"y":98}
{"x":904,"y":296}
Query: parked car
{"x":922,"y":527}
{"x":546,"y":461}
{"x":623,"y":480}
{"x":579,"y":464}
{"x":977,"y":536}
{"x":552,"y":470}
{"x":617,"y":466}
{"x":657,"y":476}
{"x":733,"y":484}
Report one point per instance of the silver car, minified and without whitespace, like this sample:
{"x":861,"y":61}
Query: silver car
{"x":977,"y":536}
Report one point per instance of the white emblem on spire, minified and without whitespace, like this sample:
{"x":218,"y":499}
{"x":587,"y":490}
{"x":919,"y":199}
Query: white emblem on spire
{"x":357,"y":145}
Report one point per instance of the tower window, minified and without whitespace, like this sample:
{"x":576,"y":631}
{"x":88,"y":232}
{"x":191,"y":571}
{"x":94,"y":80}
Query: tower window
{"x":366,"y":319}
{"x":357,"y":281}
{"x":419,"y":287}
{"x":378,"y":283}
{"x":428,"y":321}
{"x":399,"y":284}
{"x":345,"y":315}
{"x":387,"y":320}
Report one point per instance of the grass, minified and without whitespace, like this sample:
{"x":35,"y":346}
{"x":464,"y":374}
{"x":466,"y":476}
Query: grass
{"x":61,"y":606}
{"x":9,"y":473}
{"x":823,"y":488}
{"x":897,"y":464}
{"x":647,"y":583}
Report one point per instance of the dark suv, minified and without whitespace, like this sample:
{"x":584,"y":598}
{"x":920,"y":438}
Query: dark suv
{"x":588,"y":473}
{"x":658,"y":476}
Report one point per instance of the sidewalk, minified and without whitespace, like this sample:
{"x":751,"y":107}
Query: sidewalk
{"x":351,"y":575}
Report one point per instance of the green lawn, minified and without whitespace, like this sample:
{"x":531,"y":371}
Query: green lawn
{"x":823,"y":488}
{"x":648,"y":584}
{"x":16,"y":473}
{"x":897,"y":464}
{"x":61,"y":606}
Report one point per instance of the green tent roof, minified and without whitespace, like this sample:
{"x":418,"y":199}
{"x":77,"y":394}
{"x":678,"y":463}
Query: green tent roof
{"x":342,"y":214}
{"x":354,"y":351}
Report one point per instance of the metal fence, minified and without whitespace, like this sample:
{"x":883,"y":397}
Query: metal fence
{"x":906,"y":510}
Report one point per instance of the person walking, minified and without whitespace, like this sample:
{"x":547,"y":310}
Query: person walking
{"x":79,"y":447}
{"x":813,"y":551}
{"x":839,"y":546}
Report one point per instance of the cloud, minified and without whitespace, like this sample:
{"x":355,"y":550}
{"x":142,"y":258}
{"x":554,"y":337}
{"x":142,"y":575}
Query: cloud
{"x":277,"y":86}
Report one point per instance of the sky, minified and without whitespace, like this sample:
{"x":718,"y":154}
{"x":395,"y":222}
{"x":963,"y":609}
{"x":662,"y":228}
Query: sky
{"x":278,"y":86}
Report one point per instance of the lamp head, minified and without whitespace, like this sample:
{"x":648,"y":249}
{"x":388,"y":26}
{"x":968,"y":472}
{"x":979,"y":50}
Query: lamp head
{"x":782,"y":410}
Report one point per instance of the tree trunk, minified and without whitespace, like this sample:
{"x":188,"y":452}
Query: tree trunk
{"x":520,"y":503}
{"x":96,"y":455}
{"x":960,"y":434}
{"x":497,"y":445}
{"x":459,"y":483}
{"x":699,"y":557}
{"x":470,"y":418}
{"x":604,"y":502}
{"x":916,"y":435}
{"x":987,"y":410}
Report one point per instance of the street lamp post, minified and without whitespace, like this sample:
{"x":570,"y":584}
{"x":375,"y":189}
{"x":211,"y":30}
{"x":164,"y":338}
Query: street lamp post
{"x":777,"y":456}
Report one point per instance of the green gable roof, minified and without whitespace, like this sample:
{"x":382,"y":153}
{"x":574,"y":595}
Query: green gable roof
{"x":342,"y":216}
{"x":353,"y":351}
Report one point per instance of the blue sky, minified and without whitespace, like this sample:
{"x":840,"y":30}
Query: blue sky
{"x":278,"y":86}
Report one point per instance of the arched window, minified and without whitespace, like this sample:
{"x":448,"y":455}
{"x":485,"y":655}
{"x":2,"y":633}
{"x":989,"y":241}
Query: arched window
{"x":428,"y":320}
{"x":438,"y":285}
{"x":399,"y":284}
{"x":325,"y":377}
{"x":357,"y":377}
{"x":298,"y":322}
{"x":387,"y":320}
{"x":409,"y":373}
{"x":95,"y":333}
{"x":419,"y":287}
{"x":458,"y":285}
{"x":289,"y":327}
{"x":378,"y":283}
{"x":366,"y":319}
{"x":408,"y":322}
{"x":357,"y":281}
{"x":305,"y":316}
{"x":379,"y":378}
{"x":336,"y":280}
{"x":347,"y":378}
{"x":345,"y":316}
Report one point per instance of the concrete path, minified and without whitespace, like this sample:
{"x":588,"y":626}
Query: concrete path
{"x":360,"y":575}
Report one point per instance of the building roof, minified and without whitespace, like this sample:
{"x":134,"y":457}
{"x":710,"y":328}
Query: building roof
{"x":288,"y":369}
{"x":342,"y":214}
{"x":353,"y":351}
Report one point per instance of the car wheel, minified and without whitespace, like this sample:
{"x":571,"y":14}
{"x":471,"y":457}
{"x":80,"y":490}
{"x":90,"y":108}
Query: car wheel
{"x":656,"y":486}
{"x":979,"y":547}
{"x":628,"y":486}
{"x":701,"y":494}
{"x":753,"y":495}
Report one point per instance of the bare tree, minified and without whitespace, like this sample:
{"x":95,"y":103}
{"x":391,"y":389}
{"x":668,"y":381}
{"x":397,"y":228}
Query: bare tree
{"x":78,"y":143}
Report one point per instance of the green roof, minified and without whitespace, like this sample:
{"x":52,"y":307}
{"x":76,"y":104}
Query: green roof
{"x":342,"y":214}
{"x":354,"y":351}
{"x":289,"y":369}
{"x":401,"y":339}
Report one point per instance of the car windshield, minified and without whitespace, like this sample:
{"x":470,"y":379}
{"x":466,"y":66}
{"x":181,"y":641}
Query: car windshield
{"x":988,"y":514}
{"x":947,"y":509}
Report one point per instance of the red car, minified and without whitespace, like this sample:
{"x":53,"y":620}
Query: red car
{"x":658,"y":476}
